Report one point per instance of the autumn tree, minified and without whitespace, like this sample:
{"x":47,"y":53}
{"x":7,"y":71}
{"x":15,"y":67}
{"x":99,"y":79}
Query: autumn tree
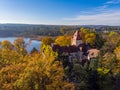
{"x":117,"y":53}
{"x":43,"y":72}
{"x":112,"y":33}
{"x":111,"y":42}
{"x":8,"y":54}
{"x":37,"y":71}
{"x":9,"y":75}
{"x":6,"y":45}
{"x":10,"y":66}
{"x":19,"y":44}
{"x":63,"y":40}
{"x":88,"y":36}
{"x":47,"y":40}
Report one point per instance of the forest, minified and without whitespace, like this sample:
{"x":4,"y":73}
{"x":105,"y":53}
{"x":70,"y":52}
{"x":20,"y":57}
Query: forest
{"x":29,"y":30}
{"x":46,"y":70}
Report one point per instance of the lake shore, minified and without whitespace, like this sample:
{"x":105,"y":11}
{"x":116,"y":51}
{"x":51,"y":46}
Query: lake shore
{"x":39,"y":38}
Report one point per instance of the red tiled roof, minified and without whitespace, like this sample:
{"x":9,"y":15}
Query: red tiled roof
{"x":71,"y":49}
{"x":66,"y":49}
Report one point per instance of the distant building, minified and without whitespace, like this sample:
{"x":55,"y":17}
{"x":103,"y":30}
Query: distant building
{"x":78,"y":50}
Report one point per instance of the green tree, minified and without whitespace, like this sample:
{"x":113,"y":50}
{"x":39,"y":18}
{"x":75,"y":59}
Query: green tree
{"x":99,"y":41}
{"x":63,"y":30}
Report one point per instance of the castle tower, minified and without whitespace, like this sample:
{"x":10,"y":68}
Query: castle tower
{"x":76,"y":39}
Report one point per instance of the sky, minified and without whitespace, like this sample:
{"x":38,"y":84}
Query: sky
{"x":61,"y":12}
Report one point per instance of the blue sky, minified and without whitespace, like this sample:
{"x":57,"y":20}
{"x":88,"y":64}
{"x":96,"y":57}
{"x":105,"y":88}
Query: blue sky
{"x":60,"y":12}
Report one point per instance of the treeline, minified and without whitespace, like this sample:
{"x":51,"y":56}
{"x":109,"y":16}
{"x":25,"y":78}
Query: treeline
{"x":31,"y":30}
{"x":48,"y":30}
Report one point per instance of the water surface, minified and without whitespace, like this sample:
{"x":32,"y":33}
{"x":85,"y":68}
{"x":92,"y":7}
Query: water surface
{"x":29,"y":44}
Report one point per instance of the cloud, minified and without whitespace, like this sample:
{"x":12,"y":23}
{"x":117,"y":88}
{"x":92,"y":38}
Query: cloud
{"x":102,"y":15}
{"x":113,"y":2}
{"x":105,"y":18}
{"x":103,"y":7}
{"x":108,"y":3}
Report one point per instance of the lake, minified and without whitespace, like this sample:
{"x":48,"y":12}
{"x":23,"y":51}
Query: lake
{"x":29,"y":47}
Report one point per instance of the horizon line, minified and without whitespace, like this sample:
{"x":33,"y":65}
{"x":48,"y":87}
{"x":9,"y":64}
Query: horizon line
{"x":62,"y":24}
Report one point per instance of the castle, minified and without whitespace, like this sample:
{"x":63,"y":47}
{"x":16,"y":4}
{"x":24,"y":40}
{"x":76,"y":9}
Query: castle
{"x":77,"y":50}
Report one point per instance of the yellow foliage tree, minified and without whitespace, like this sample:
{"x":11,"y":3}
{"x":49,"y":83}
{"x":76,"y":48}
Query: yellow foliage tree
{"x":117,"y":52}
{"x":19,"y":44}
{"x":47,"y":40}
{"x":9,"y":74}
{"x":63,"y":40}
{"x":6,"y":45}
{"x":37,"y":71}
{"x":42,"y":73}
{"x":88,"y":36}
{"x":112,"y":33}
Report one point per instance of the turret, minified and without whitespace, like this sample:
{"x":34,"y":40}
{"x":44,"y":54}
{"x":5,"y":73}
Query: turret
{"x":76,"y":39}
